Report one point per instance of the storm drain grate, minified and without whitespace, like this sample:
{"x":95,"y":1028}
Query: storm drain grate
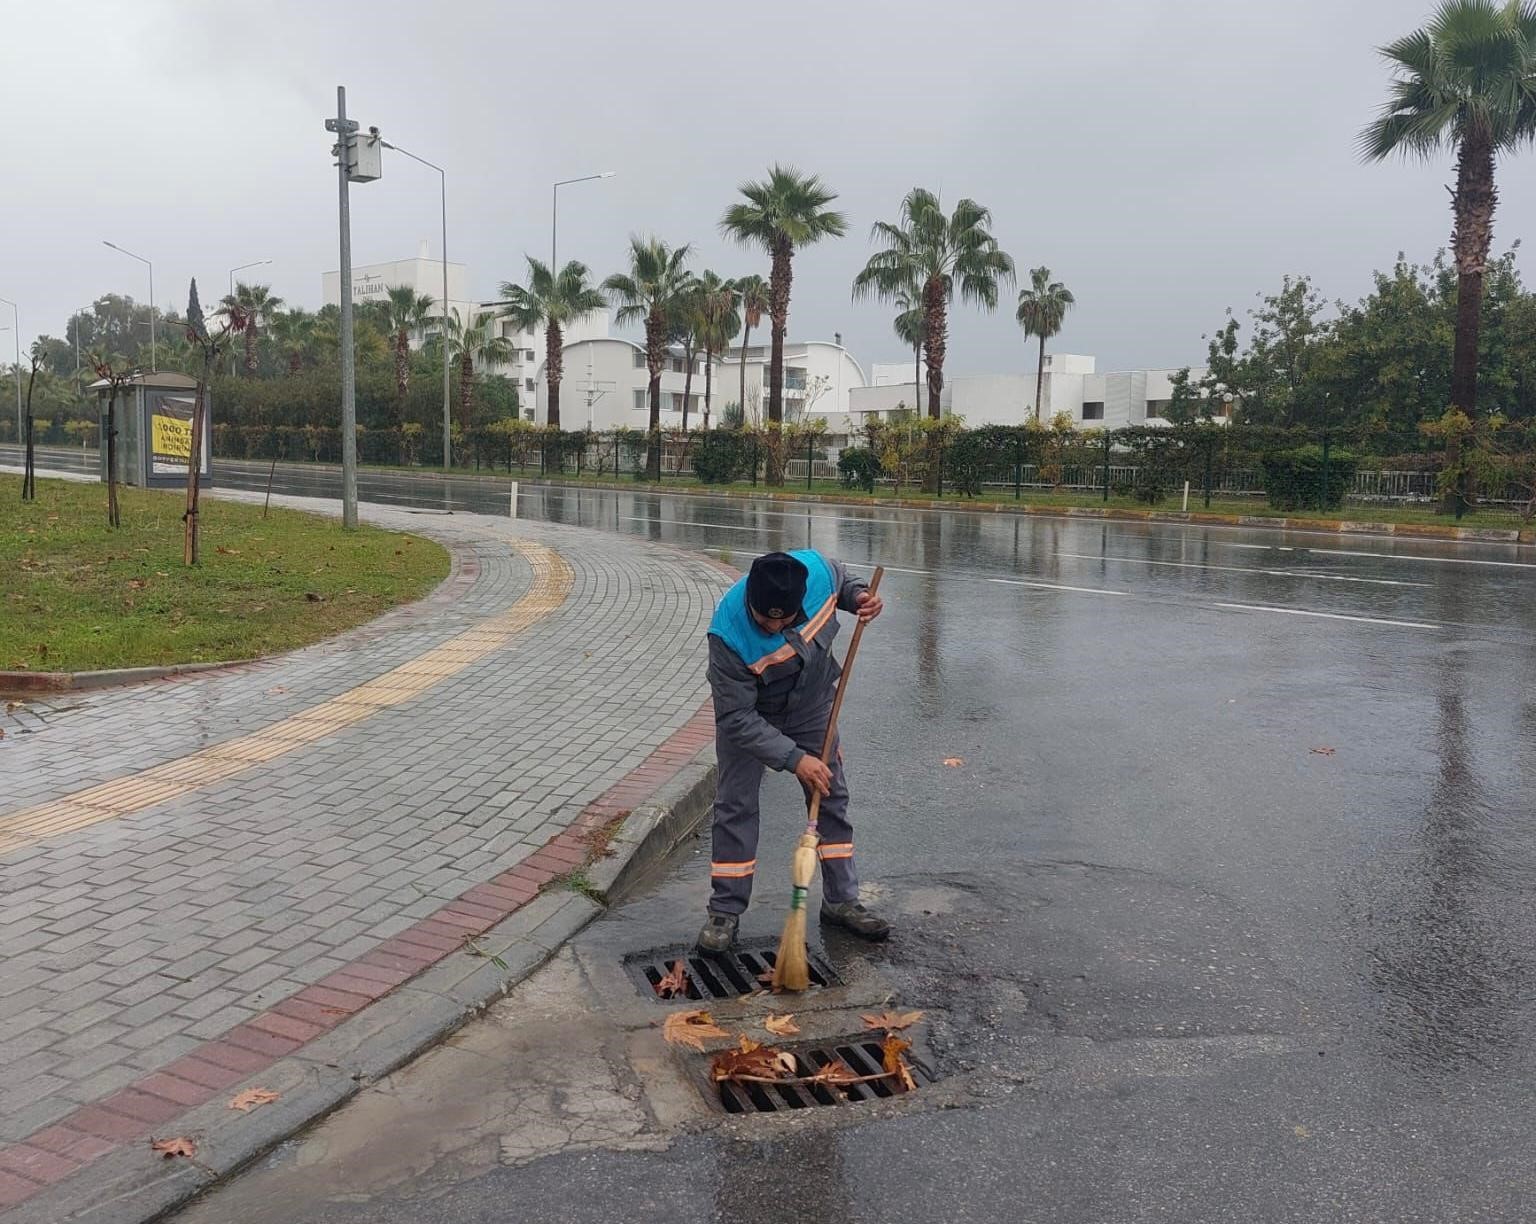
{"x":717,"y":977}
{"x":862,"y":1057}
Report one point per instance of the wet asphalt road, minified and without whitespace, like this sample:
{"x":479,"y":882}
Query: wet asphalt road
{"x":1229,"y":902}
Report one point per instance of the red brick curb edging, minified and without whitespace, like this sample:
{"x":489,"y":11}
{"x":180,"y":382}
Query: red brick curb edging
{"x":152,"y":1103}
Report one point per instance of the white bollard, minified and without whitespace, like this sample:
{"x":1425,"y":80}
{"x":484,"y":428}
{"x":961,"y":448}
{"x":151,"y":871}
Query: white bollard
{"x":514,"y":499}
{"x":1186,"y":497}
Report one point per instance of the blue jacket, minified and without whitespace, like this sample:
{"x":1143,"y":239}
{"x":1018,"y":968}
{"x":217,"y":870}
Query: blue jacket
{"x":761,"y":681}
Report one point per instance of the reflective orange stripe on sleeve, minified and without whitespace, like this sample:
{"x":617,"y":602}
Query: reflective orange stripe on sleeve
{"x":835,"y":850}
{"x":732,"y":871}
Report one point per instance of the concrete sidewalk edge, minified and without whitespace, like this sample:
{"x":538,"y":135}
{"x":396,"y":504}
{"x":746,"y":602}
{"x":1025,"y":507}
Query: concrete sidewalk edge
{"x":135,"y":1186}
{"x":12,"y":682}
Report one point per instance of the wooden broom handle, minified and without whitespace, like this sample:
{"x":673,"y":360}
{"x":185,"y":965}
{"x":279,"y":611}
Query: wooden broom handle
{"x":837,"y":701}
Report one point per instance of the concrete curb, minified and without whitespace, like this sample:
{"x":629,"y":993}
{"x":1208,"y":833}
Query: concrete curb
{"x":134,"y":1186}
{"x":66,"y":682}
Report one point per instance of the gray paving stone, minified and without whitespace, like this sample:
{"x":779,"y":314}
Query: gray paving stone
{"x":165,"y":927}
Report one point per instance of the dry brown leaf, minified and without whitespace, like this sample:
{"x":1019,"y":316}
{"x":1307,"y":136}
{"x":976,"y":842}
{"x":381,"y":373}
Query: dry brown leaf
{"x":689,"y":1028}
{"x":675,"y":983}
{"x":891,"y":1021}
{"x":835,"y":1072}
{"x":228,"y":552}
{"x":953,"y":762}
{"x":751,"y":1060}
{"x":765,"y":978}
{"x":781,"y":1026}
{"x":891,"y":1051}
{"x":1322,"y":752}
{"x":136,"y":584}
{"x":179,"y":1146}
{"x":251,"y":1098}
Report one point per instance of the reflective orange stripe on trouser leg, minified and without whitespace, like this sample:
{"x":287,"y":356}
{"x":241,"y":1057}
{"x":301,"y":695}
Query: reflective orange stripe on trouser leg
{"x":834,"y":850}
{"x":733,"y":871}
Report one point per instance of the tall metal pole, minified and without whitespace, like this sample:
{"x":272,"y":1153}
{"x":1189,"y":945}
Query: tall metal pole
{"x":345,"y":133}
{"x":255,"y":263}
{"x":554,"y":212}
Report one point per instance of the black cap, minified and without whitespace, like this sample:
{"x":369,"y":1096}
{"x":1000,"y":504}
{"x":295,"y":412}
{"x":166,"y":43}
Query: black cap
{"x":776,"y":585}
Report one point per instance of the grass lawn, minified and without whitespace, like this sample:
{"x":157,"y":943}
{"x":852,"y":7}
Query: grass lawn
{"x":77,"y":596}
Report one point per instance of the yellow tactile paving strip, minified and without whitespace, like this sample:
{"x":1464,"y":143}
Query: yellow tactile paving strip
{"x":552,"y":580}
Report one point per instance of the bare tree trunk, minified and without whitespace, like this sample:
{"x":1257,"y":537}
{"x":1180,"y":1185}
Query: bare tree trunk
{"x":934,"y":330}
{"x":113,"y":519}
{"x":709,"y":358}
{"x":554,"y":371}
{"x":1040,"y":383}
{"x":780,"y":278}
{"x":746,"y":334}
{"x":917,"y":378}
{"x":195,"y":459}
{"x":687,"y":382}
{"x":1473,"y":204}
{"x":655,"y":357}
{"x":29,"y":460}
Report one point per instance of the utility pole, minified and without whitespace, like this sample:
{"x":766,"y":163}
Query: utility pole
{"x":357,"y":161}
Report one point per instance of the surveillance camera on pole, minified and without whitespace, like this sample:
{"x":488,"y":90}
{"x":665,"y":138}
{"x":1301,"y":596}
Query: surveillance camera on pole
{"x":359,"y":159}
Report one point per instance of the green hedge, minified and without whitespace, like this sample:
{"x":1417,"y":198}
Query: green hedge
{"x":1306,"y":479}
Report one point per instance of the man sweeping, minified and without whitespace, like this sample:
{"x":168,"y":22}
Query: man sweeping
{"x":773,"y":677}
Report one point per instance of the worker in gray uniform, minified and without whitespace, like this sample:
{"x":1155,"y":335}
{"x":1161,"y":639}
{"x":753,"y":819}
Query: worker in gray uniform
{"x":773,"y":676}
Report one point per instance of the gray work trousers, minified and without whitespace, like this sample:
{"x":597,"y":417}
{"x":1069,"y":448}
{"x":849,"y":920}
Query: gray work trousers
{"x":734,"y":851}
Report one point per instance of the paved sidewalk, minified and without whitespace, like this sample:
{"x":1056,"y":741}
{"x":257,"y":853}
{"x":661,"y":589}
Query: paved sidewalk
{"x":200,"y":876}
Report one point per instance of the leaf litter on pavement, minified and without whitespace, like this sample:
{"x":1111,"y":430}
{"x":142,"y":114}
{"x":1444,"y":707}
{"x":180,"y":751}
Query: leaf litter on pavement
{"x":690,"y":1028}
{"x":171,"y":1148}
{"x":675,"y":983}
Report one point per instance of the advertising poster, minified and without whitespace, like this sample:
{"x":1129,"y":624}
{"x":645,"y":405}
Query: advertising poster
{"x":170,"y":437}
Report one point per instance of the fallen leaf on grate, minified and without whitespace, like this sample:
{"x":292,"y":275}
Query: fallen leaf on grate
{"x":781,"y":1026}
{"x":251,"y":1098}
{"x":891,"y":1051}
{"x":753,"y":1061}
{"x":675,"y":983}
{"x":689,"y":1028}
{"x":836,"y":1072}
{"x":179,"y":1146}
{"x":892,"y":1021}
{"x":953,"y":762}
{"x":765,"y":978}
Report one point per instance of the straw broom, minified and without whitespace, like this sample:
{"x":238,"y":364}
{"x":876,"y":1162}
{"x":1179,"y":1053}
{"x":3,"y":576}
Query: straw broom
{"x":791,"y":969}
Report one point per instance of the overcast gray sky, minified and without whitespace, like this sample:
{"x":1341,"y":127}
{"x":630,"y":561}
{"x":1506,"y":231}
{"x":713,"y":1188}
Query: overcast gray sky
{"x":1165,"y":158}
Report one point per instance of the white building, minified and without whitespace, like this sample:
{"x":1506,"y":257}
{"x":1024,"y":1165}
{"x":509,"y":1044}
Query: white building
{"x":605,"y":384}
{"x":1092,"y":400}
{"x":819,"y":379}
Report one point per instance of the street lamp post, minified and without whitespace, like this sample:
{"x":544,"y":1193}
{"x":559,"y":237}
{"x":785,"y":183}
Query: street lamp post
{"x":554,"y":212}
{"x":16,"y":328}
{"x":443,"y":191}
{"x":255,"y":263}
{"x":122,"y":250}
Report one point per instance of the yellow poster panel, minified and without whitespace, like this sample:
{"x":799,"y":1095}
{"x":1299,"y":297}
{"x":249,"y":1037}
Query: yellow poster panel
{"x":171,"y":437}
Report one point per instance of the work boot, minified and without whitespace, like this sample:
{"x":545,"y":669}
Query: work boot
{"x":719,"y":934}
{"x":852,"y":916}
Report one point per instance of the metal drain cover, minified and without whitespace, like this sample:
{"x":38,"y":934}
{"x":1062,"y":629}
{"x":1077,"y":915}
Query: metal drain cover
{"x":862,"y":1055}
{"x":716,"y":977}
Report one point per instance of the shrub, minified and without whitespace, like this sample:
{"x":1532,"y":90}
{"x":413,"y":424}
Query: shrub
{"x":1297,"y":479}
{"x":721,"y":455}
{"x":858,"y":467}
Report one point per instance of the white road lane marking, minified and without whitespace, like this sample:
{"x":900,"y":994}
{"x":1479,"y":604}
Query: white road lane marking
{"x":1243,"y":569}
{"x":1364,"y":620}
{"x":1056,"y":586}
{"x":1345,"y":552}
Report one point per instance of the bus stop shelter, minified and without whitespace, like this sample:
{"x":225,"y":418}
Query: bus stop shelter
{"x":154,"y":429}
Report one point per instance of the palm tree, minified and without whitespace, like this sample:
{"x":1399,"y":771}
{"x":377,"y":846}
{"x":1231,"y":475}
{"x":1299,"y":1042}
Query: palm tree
{"x":258,"y":306}
{"x":552,"y":302}
{"x":1042,"y":309}
{"x":685,"y":332}
{"x":909,"y":329}
{"x":1466,"y":81}
{"x":649,"y":292}
{"x":473,"y":343}
{"x":931,"y":250}
{"x":403,"y":316}
{"x":717,"y":323}
{"x":786,"y":211}
{"x":293,"y":331}
{"x":753,"y":292}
